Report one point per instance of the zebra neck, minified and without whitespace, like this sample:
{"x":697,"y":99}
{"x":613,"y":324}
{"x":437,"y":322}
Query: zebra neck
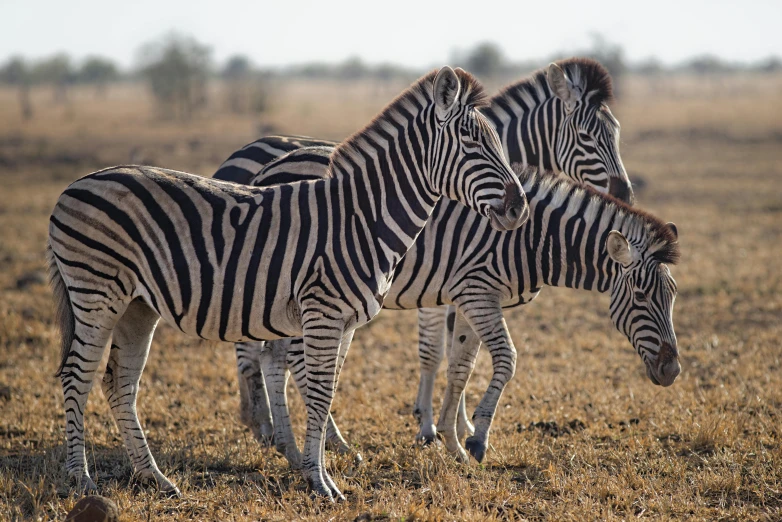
{"x":527,"y":123}
{"x":385,"y":187}
{"x":568,"y":237}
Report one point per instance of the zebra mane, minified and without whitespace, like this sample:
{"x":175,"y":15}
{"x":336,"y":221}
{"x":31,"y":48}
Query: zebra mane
{"x":637,"y":225}
{"x":414,"y":99}
{"x":587,"y":73}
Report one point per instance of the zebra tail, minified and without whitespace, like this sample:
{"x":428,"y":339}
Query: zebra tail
{"x":63,"y":312}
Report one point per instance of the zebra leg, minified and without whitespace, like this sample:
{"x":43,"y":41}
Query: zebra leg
{"x":463,"y":424}
{"x":460,"y":366}
{"x":77,"y":377}
{"x":275,"y":371}
{"x":334,"y":439}
{"x":487,"y":321}
{"x":127,"y":358}
{"x":322,"y":339}
{"x":431,"y":324}
{"x":254,"y":409}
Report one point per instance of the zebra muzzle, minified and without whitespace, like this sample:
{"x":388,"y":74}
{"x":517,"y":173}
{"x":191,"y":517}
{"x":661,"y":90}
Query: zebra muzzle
{"x":514,"y":211}
{"x":667,"y":366}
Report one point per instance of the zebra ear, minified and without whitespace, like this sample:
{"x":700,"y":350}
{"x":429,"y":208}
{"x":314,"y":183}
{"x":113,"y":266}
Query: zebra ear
{"x":674,"y":230}
{"x":446,"y":92}
{"x":562,"y":87}
{"x":619,"y":248}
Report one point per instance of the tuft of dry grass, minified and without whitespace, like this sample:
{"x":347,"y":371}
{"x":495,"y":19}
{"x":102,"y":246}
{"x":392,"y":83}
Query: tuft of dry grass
{"x":580,"y":435}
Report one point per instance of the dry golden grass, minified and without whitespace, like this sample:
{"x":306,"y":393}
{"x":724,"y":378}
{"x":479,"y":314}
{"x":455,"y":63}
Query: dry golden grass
{"x":605,"y":443}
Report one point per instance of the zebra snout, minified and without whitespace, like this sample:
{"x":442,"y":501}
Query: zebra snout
{"x":621,"y":190}
{"x":668,"y":366}
{"x":513,"y":211}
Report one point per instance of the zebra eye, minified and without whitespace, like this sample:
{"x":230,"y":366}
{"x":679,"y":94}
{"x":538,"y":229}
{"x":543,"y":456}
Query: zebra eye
{"x":640,"y":296}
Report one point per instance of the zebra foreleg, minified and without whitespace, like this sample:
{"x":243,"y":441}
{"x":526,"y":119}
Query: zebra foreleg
{"x":465,"y":347}
{"x":334,"y":439}
{"x":322,"y":339}
{"x":486,"y":319}
{"x":128,"y":356}
{"x":431,"y":329}
{"x":254,"y":410}
{"x":463,"y":424}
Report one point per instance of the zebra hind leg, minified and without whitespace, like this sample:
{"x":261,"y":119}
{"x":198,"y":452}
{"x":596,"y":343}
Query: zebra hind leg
{"x":431,"y":347}
{"x":334,"y":440}
{"x":127,"y":358}
{"x":254,"y":409}
{"x":275,"y":372}
{"x":77,"y":376}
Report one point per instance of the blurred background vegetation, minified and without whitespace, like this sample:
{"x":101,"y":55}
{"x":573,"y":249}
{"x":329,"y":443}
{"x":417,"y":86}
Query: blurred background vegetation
{"x":178,"y":69}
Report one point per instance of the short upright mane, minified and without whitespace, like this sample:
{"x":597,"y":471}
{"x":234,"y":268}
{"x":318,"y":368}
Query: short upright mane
{"x":586,"y":72}
{"x":661,"y":241}
{"x":418,"y":95}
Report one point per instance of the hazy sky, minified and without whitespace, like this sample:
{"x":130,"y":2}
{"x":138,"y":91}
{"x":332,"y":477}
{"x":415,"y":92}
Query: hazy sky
{"x":414,"y":33}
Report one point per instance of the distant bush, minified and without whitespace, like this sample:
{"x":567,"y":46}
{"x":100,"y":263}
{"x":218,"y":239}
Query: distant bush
{"x":177,"y":70}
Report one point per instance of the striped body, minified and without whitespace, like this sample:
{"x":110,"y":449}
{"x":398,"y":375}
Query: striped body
{"x":222,"y":261}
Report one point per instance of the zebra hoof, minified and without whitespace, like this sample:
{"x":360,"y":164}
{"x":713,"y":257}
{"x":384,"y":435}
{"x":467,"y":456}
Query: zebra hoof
{"x":358,"y":459}
{"x":169,"y":490}
{"x":476,"y":447}
{"x":84,"y":485}
{"x":426,"y":436}
{"x":320,"y":492}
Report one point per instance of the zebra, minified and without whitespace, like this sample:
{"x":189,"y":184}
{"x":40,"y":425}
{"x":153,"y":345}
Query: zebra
{"x":557,"y":119}
{"x":480,"y":271}
{"x":128,"y":245}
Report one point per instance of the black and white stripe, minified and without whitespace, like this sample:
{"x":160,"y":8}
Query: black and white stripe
{"x":221,"y":261}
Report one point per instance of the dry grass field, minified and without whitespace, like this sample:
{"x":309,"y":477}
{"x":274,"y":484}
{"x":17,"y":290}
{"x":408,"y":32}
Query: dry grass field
{"x":581,"y":433}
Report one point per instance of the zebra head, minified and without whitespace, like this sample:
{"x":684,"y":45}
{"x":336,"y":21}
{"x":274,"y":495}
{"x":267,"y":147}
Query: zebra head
{"x":642,"y":298}
{"x":587,"y":144}
{"x":467,"y":163}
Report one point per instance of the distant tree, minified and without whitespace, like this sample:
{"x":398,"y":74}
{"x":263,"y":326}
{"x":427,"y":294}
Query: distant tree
{"x":706,"y":64}
{"x":650,"y":67}
{"x":352,"y":69}
{"x":177,"y":69}
{"x":772,"y":64}
{"x":246,"y":89}
{"x":238,"y":66}
{"x":485,"y":59}
{"x":56,"y":71}
{"x":99,"y":72}
{"x":16,"y":73}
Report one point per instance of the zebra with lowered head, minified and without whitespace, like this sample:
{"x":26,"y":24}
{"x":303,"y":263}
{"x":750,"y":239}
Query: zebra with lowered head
{"x":557,"y":119}
{"x":578,"y":239}
{"x":221,"y":261}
